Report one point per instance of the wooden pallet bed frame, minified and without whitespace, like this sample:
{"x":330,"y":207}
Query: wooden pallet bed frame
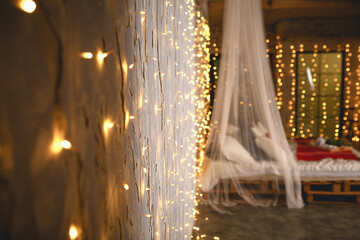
{"x":314,"y":191}
{"x":339,"y":188}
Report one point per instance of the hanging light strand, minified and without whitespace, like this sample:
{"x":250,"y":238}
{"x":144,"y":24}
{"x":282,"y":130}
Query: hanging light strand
{"x":279,"y":73}
{"x":357,"y":100}
{"x":347,"y":89}
{"x":293,"y":89}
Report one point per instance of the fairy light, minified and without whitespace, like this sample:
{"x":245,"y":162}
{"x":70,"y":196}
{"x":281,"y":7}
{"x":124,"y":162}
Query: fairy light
{"x":131,"y":66}
{"x":65,"y":144}
{"x":347,"y":93}
{"x":337,"y":89}
{"x":127,"y":119}
{"x":293,"y":92}
{"x":324,"y":117}
{"x":214,"y":70}
{"x":302,"y":94}
{"x":100,"y":57}
{"x":59,"y":144}
{"x":279,"y":73}
{"x":301,"y":47}
{"x":203,"y":82}
{"x":87,"y":55}
{"x":28,"y":6}
{"x":355,"y":139}
{"x":194,"y":47}
{"x":73,"y":232}
{"x":351,"y":95}
{"x":267,"y":47}
{"x":313,"y":94}
{"x":202,"y":100}
{"x":197,"y":53}
{"x":107,"y":126}
{"x":357,"y":99}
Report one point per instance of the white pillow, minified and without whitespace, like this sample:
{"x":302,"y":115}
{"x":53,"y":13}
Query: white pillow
{"x":235,"y":152}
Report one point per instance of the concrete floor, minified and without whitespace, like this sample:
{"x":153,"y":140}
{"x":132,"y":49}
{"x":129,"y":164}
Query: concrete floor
{"x":312,"y":222}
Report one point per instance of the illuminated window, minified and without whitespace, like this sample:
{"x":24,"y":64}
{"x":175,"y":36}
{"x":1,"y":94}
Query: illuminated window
{"x":319,"y":93}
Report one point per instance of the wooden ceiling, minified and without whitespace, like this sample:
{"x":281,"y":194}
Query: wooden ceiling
{"x":278,"y":10}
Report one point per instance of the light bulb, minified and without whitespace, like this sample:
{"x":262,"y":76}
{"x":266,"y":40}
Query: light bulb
{"x":65,"y":144}
{"x":87,"y":55}
{"x":101,"y":56}
{"x":28,"y":6}
{"x":73,"y":232}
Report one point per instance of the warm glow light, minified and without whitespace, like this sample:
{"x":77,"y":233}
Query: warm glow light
{"x":125,"y":70}
{"x":87,"y":55}
{"x":127,"y":118}
{"x":140,"y":101}
{"x":202,"y":100}
{"x":107,"y":126}
{"x":56,"y":146}
{"x":28,"y":6}
{"x":279,"y":73}
{"x":101,"y":56}
{"x":347,"y":94}
{"x":65,"y":144}
{"x":73,"y":232}
{"x":59,"y":144}
{"x":143,"y":150}
{"x":131,"y":66}
{"x":126,"y":187}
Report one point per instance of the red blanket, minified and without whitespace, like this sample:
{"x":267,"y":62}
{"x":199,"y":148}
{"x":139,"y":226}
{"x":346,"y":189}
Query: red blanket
{"x":310,"y":153}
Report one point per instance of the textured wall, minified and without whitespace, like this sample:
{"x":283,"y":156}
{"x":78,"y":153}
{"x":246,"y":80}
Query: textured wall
{"x":127,"y":112}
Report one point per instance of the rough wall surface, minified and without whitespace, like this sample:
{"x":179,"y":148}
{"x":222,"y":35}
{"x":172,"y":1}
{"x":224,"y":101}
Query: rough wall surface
{"x":128,"y":113}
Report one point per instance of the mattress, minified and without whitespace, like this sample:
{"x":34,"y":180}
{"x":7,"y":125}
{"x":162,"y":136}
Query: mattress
{"x":325,"y":169}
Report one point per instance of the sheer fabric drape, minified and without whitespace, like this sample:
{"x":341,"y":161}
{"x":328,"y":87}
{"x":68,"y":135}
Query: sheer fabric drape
{"x":247,"y":142}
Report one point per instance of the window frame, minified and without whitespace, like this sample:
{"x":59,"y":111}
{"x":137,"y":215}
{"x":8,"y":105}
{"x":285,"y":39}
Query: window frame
{"x":341,"y":97}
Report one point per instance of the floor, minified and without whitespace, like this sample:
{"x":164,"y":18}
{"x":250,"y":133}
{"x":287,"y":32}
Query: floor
{"x":312,"y":222}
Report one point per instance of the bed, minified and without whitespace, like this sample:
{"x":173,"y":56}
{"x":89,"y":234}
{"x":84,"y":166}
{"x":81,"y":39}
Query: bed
{"x":333,"y":176}
{"x":323,"y":169}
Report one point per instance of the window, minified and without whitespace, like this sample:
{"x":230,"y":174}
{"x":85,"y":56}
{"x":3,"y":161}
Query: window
{"x":319,"y":106}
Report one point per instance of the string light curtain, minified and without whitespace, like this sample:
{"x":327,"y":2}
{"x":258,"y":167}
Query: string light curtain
{"x":247,"y":145}
{"x":98,"y":126}
{"x":332,"y":57}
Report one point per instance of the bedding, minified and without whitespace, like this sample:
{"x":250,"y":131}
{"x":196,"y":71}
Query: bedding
{"x":235,"y":152}
{"x":326,"y":169}
{"x":313,"y":162}
{"x":307,"y":152}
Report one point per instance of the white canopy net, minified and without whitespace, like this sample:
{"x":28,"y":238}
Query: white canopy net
{"x":247,"y":142}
